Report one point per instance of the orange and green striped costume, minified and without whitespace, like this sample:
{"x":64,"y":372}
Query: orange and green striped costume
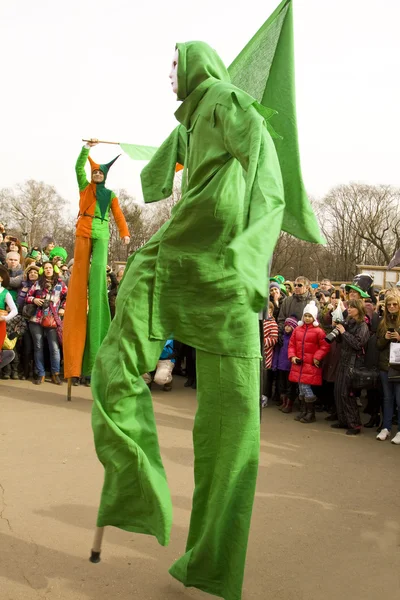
{"x":85,"y":330}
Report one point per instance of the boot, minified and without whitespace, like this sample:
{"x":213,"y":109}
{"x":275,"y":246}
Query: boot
{"x":167,"y":387}
{"x":310,"y":416}
{"x":303,"y":409}
{"x":39,"y":380}
{"x":55,"y":378}
{"x":373,"y":422}
{"x":284,"y":401}
{"x":289,"y":406}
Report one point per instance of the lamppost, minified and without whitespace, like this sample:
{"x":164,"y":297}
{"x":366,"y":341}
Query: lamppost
{"x":316,"y":266}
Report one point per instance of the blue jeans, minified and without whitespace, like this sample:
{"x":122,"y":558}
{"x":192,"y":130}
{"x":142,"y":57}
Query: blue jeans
{"x":306,"y":390}
{"x":390,"y":392}
{"x":38,"y":333}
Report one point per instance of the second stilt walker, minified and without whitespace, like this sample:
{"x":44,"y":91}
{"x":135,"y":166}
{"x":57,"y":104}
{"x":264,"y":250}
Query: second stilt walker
{"x":84,"y":330}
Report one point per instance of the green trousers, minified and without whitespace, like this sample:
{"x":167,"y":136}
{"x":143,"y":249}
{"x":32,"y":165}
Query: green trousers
{"x":99,"y":316}
{"x":226,"y":441}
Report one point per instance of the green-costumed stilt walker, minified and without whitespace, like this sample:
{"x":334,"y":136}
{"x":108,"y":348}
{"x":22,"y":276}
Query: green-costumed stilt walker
{"x":201,"y":279}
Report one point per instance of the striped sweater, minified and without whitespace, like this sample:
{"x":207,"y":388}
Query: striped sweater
{"x":270,"y":338}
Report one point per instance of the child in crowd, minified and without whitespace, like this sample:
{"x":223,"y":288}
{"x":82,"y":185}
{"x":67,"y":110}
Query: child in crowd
{"x":307,"y":348}
{"x":282,"y":364}
{"x":270,"y":330}
{"x":163,"y":373}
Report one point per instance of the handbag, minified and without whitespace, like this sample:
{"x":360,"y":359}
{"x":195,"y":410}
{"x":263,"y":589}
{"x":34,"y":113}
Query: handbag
{"x":394,"y":374}
{"x":48,"y":321}
{"x":59,"y":325}
{"x":363,"y":378}
{"x":28,"y":311}
{"x":394,"y":354}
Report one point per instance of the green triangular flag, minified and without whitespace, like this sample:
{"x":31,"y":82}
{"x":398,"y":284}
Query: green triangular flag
{"x":265,"y":70}
{"x":137,"y":152}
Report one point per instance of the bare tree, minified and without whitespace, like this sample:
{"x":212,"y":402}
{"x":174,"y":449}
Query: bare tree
{"x":34,"y":209}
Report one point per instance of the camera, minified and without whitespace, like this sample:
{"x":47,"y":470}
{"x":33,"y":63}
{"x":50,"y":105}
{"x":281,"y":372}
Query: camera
{"x":334,"y":334}
{"x":318,"y":295}
{"x":46,"y":304}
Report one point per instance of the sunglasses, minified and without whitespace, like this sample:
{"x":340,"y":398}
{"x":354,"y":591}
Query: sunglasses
{"x":298,"y":284}
{"x":392,"y":304}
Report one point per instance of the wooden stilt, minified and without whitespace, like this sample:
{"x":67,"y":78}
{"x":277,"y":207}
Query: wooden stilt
{"x":96,"y":550}
{"x":69,"y":389}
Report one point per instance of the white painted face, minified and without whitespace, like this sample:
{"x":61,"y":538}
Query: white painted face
{"x":173,"y":75}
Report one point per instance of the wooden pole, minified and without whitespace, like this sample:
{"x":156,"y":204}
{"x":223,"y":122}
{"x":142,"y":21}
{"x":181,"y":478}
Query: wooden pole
{"x":101,"y":142}
{"x":96,"y":550}
{"x":69,"y":389}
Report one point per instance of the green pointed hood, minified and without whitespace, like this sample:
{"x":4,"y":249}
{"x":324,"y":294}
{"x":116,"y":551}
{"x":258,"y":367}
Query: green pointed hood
{"x":198,"y":62}
{"x":199,"y":67}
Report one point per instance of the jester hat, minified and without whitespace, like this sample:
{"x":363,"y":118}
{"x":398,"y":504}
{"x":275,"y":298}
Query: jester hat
{"x":94,"y":166}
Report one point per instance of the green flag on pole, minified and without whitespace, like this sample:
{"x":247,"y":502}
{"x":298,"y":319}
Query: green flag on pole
{"x":137,"y":152}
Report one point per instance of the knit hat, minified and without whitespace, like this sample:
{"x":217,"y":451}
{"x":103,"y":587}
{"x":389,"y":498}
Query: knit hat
{"x":291,"y":322}
{"x":310,"y":309}
{"x":60,"y":252}
{"x":276,"y":284}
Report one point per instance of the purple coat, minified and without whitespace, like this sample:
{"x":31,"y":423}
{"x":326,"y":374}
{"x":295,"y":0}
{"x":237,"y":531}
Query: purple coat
{"x":280,"y":359}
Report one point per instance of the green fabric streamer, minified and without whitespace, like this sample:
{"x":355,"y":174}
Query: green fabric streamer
{"x":138,"y":152}
{"x":265,"y":70}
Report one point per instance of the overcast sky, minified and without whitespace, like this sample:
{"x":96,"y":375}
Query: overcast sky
{"x":100,"y":69}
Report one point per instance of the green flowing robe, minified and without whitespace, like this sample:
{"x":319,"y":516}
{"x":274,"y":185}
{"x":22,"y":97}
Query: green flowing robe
{"x":211,"y":273}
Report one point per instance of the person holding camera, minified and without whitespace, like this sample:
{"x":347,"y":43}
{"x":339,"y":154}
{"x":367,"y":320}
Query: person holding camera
{"x":388,"y":333}
{"x":307,"y":348}
{"x":353,"y":336}
{"x":48,"y":294}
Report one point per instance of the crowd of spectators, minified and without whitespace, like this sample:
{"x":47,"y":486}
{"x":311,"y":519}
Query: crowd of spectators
{"x":334,"y":349}
{"x":33,"y":295}
{"x":316,"y":338}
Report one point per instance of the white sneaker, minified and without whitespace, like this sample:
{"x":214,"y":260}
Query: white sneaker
{"x":396,"y":439}
{"x":264,"y":402}
{"x":385,"y":435}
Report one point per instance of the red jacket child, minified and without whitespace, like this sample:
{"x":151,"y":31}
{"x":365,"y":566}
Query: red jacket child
{"x":308,"y":344}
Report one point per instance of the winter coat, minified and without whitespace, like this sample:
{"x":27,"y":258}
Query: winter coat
{"x":277,"y":308}
{"x":293,"y":306}
{"x":383,"y":346}
{"x":281,"y":360}
{"x":307,"y":343}
{"x":22,"y":293}
{"x":16,"y":277}
{"x":354,"y":341}
{"x":270,"y":334}
{"x":57,"y":296}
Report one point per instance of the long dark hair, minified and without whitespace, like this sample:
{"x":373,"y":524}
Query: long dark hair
{"x":388,"y":320}
{"x":43,"y":281}
{"x":359,"y":305}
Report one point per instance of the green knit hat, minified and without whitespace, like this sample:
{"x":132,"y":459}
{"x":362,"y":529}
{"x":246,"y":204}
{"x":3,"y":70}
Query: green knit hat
{"x":58,"y":251}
